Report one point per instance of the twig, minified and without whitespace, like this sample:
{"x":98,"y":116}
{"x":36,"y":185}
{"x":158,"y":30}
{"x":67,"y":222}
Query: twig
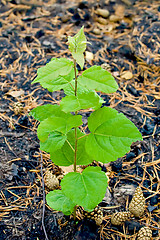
{"x":10,"y":148}
{"x":43,"y":198}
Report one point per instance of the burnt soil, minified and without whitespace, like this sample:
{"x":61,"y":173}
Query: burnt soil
{"x":31,"y":33}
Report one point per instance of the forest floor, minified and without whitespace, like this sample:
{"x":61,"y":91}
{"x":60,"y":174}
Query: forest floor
{"x":127,"y":40}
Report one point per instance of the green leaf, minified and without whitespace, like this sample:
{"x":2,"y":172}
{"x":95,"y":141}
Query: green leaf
{"x":111,"y":135}
{"x":59,"y":124}
{"x":88,"y":189}
{"x":65,"y":155}
{"x":97,"y":78}
{"x":56,"y":75}
{"x":54,"y":142}
{"x":70,"y":89}
{"x":79,"y":57}
{"x":77,"y":45}
{"x":86,"y":100}
{"x":58,"y":201}
{"x":78,"y":42}
{"x":40,"y":113}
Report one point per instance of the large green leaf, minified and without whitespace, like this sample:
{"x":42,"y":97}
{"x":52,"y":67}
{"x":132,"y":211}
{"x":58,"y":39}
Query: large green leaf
{"x":40,"y":113}
{"x":111,"y":135}
{"x":86,"y":189}
{"x":97,"y":78}
{"x":58,"y":201}
{"x":59,"y":124}
{"x":77,"y":46}
{"x":89,"y":99}
{"x":57,"y":74}
{"x":54,"y":142}
{"x":65,"y":155}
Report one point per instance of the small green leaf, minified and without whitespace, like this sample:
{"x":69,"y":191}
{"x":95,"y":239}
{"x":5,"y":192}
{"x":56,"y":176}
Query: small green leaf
{"x":59,"y":124}
{"x":111,"y":135}
{"x":89,"y":99}
{"x":77,"y":46}
{"x":79,"y":57}
{"x":40,"y":113}
{"x":97,"y":78}
{"x":89,"y":187}
{"x":65,"y":155}
{"x":54,"y":142}
{"x":57,"y":74}
{"x":58,"y":201}
{"x":78,"y":42}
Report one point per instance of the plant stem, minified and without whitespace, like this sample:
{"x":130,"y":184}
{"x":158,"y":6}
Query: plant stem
{"x":75,"y":152}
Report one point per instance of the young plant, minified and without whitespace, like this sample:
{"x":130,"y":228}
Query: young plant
{"x":110,"y":137}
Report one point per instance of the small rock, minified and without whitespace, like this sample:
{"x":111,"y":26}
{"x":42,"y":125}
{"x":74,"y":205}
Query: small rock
{"x":114,"y":18}
{"x":83,"y":4}
{"x":127,"y":2}
{"x":154,"y":200}
{"x":89,"y":56}
{"x":46,"y":43}
{"x":65,"y":18}
{"x":120,"y":193}
{"x":101,"y":21}
{"x":108,"y":197}
{"x":117,"y":165}
{"x":130,"y":156}
{"x":102,"y":12}
{"x":76,"y":17}
{"x":97,"y":31}
{"x":132,"y":90}
{"x":24,"y":121}
{"x":39,"y":33}
{"x":127,"y":75}
{"x":132,"y":226}
{"x":151,"y":208}
{"x":155,"y":233}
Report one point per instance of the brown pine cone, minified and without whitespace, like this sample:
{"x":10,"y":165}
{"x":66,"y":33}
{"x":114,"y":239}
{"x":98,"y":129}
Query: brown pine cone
{"x":137,"y":204}
{"x":17,"y":108}
{"x":96,"y":215}
{"x":120,"y":217}
{"x":106,"y":66}
{"x":144,"y":233}
{"x":51,"y":181}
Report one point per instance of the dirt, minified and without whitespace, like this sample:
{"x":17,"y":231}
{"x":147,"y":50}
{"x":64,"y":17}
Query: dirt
{"x":31,"y":33}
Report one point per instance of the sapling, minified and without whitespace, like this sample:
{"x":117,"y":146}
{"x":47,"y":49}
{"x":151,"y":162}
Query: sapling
{"x":110,"y":137}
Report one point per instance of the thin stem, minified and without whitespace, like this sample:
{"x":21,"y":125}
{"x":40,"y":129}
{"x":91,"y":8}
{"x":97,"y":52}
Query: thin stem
{"x":70,"y":146}
{"x":83,"y":136}
{"x":75,"y":152}
{"x":75,"y":73}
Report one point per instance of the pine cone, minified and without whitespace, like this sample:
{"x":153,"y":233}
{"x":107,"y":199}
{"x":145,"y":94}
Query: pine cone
{"x":137,"y":205}
{"x":17,"y":108}
{"x":96,"y":215}
{"x":106,"y":66}
{"x":144,"y":233}
{"x":120,"y":217}
{"x":51,"y":181}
